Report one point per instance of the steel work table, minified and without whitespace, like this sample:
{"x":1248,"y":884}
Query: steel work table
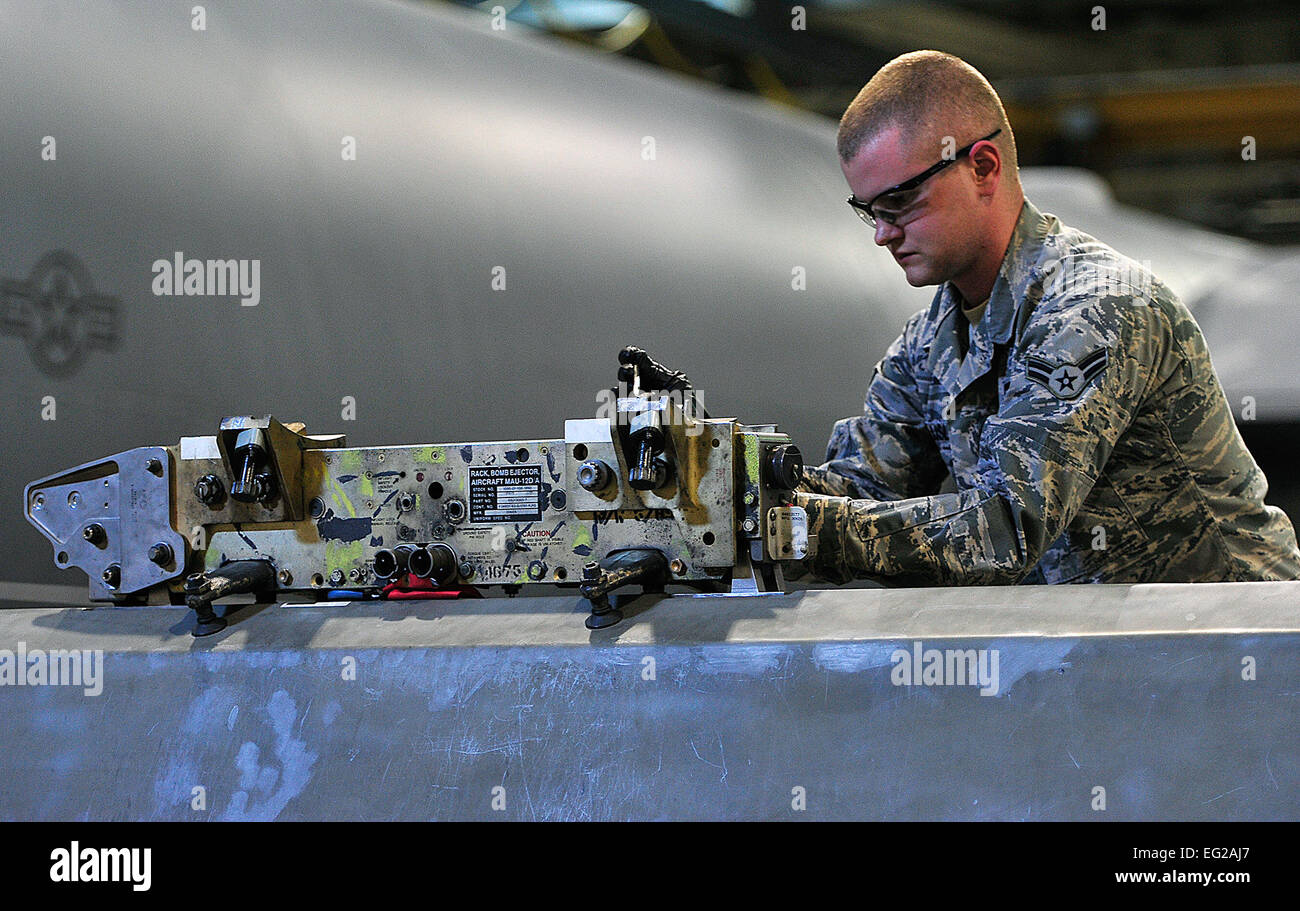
{"x":692,"y":708}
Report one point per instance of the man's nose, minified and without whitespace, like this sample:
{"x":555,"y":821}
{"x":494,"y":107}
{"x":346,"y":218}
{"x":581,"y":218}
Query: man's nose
{"x":885,"y":232}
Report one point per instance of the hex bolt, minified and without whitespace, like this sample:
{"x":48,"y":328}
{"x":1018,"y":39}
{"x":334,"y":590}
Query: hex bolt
{"x":678,"y":568}
{"x":262,"y":488}
{"x":160,"y":553}
{"x":750,"y":498}
{"x":210,"y":490}
{"x":594,"y":475}
{"x":336,"y":577}
{"x":286,"y":577}
{"x":466,"y":569}
{"x":749,"y":526}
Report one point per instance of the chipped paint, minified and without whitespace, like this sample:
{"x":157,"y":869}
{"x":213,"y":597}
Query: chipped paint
{"x":344,"y":555}
{"x":434,"y":455}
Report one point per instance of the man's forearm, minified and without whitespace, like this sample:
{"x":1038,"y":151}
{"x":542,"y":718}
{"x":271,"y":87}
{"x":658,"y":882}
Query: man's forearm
{"x":821,"y":479}
{"x":951,"y":539}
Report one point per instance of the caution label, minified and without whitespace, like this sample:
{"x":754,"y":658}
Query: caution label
{"x":505,"y":493}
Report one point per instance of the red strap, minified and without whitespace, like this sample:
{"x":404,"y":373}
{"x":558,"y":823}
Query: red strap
{"x":398,"y":595}
{"x":413,"y":588}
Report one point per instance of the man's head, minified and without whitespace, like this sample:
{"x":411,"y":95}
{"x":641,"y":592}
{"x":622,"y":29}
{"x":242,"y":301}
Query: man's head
{"x":919,"y":110}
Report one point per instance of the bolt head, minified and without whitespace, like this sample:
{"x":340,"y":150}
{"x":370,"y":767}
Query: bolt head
{"x":112,"y":576}
{"x":593,"y":475}
{"x":209,"y":490}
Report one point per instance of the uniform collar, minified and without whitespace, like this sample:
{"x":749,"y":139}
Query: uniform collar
{"x":1020,"y":268}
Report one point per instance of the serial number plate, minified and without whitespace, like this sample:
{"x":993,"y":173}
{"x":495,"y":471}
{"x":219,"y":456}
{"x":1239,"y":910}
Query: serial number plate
{"x":505,"y":493}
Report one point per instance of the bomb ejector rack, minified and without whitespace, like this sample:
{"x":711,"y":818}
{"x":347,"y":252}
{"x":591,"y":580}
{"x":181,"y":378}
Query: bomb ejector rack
{"x":649,"y":493}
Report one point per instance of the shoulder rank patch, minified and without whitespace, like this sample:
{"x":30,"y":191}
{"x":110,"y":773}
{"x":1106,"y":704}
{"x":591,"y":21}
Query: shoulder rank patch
{"x":1066,"y":381}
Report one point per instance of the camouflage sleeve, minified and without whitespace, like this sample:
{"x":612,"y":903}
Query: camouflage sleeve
{"x":886,"y":453}
{"x":1080,"y":373}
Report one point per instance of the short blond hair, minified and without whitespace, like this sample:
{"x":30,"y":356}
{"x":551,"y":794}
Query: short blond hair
{"x":928,"y":95}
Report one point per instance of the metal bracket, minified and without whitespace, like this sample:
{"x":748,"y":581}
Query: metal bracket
{"x":752,"y":576}
{"x":107,"y":517}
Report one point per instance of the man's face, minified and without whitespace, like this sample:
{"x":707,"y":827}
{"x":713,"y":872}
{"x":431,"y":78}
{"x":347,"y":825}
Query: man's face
{"x":937,"y":237}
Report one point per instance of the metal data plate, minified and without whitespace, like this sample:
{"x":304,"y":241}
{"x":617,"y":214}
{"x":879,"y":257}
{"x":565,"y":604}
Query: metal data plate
{"x":129,"y":501}
{"x":787,"y":532}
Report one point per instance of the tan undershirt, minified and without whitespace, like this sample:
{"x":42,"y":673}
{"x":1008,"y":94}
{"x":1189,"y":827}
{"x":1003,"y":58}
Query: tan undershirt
{"x":973,"y":316}
{"x":974,"y":313}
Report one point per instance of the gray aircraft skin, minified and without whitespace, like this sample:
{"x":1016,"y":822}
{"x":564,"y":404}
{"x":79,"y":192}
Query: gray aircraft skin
{"x":619,"y":204}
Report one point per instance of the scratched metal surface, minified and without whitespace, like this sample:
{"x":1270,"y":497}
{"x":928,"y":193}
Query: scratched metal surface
{"x":1099,"y":686}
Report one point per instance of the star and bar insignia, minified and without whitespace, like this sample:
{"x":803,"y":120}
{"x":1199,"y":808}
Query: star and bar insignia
{"x":1066,"y":381}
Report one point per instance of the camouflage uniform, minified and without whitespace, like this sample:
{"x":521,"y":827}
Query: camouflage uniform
{"x":1085,"y":429}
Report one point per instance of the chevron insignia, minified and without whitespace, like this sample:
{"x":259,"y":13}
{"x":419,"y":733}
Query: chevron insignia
{"x":1066,"y":381}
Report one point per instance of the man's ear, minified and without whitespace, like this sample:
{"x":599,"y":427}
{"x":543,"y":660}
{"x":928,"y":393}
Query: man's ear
{"x":987,"y":161}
